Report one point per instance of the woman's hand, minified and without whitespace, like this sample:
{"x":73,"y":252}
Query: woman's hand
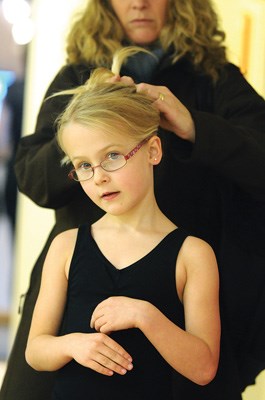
{"x":117,"y":313}
{"x":100,"y":353}
{"x":127,"y":80}
{"x":174,"y":116}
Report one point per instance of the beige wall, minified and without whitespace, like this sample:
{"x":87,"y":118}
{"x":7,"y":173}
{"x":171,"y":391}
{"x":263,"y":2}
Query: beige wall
{"x":243,"y":22}
{"x":45,"y":57}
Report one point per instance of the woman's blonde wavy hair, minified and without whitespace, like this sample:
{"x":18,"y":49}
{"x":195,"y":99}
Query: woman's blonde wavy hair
{"x":191,"y":30}
{"x":112,"y":106}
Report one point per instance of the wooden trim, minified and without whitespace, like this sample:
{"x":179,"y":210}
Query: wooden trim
{"x":245,"y":47}
{"x":4,"y":319}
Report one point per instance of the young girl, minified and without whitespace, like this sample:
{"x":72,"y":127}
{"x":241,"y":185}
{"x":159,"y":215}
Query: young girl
{"x":130,"y":303}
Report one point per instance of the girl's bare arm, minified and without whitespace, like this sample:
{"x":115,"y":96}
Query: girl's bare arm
{"x":46,"y":351}
{"x":193,"y":352}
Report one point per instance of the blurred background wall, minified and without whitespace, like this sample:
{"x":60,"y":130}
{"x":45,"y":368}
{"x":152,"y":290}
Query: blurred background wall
{"x":242,"y":20}
{"x":46,"y":54}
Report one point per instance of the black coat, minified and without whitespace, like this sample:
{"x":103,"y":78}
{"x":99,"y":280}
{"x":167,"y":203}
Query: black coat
{"x":215,"y":189}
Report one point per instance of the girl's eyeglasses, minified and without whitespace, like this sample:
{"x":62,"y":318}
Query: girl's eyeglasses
{"x":113,"y":162}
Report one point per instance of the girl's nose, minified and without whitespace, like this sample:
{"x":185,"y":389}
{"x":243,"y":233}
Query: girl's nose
{"x":100,"y":175}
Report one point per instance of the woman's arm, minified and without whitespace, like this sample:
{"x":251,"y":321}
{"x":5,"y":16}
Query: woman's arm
{"x":228,"y":136}
{"x":193,"y":352}
{"x":231,"y":139}
{"x":37,"y":164}
{"x":46,"y":351}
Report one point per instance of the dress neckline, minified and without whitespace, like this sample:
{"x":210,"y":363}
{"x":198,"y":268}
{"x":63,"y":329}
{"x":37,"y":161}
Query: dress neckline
{"x":136,"y":263}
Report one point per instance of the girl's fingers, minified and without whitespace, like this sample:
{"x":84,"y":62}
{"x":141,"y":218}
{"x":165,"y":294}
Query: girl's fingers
{"x":114,"y":362}
{"x":115,"y":347}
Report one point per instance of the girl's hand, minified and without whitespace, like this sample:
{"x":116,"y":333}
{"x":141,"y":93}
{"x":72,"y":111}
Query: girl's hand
{"x":174,"y":116}
{"x":116,"y":313}
{"x":100,"y":353}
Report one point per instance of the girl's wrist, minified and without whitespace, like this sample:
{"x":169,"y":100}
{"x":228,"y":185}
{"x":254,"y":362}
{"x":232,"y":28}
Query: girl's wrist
{"x":68,"y":344}
{"x":146,"y":312}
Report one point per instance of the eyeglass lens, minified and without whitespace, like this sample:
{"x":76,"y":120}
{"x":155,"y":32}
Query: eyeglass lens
{"x":114,"y":162}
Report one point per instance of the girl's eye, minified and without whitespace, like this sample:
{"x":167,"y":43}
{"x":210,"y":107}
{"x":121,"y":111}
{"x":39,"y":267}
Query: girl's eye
{"x":84,"y":165}
{"x":113,"y":156}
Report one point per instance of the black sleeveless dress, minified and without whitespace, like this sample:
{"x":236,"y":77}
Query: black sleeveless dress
{"x":92,"y":278}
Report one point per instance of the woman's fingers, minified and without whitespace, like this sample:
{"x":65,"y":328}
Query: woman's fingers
{"x":127,"y":80}
{"x":155,"y":92}
{"x":174,"y":116}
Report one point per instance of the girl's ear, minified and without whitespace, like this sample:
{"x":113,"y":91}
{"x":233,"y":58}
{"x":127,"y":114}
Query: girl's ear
{"x":155,"y":150}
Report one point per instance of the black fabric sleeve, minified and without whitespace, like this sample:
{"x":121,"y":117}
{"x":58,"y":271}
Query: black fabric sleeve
{"x":39,"y":173}
{"x":231,"y":140}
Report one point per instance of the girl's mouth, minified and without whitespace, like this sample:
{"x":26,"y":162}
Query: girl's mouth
{"x":109,"y":195}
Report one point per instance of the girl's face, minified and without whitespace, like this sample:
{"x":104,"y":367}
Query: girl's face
{"x":117,"y":192}
{"x":142,"y":20}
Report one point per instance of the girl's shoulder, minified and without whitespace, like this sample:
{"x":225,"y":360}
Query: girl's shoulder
{"x":195,"y":243}
{"x":60,"y":253}
{"x":68,"y":235}
{"x":196,"y":266}
{"x":65,"y":241}
{"x":197,"y":253}
{"x":62,"y":249}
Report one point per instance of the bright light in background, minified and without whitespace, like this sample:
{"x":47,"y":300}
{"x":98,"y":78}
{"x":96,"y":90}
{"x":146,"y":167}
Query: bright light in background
{"x":17,"y":13}
{"x":23,"y":31}
{"x":16,"y":10}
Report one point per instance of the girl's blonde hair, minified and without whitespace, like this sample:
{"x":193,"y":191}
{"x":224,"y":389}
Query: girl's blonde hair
{"x":114,"y":107}
{"x":191,"y":30}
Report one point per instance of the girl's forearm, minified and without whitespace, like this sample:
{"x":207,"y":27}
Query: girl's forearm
{"x":48,"y":353}
{"x":186,"y":353}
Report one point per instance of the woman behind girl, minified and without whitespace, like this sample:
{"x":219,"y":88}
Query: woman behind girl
{"x":131,"y":301}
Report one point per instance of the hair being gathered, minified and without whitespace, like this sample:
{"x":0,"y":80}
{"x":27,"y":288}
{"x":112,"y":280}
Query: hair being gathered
{"x":191,"y":30}
{"x":112,"y":106}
